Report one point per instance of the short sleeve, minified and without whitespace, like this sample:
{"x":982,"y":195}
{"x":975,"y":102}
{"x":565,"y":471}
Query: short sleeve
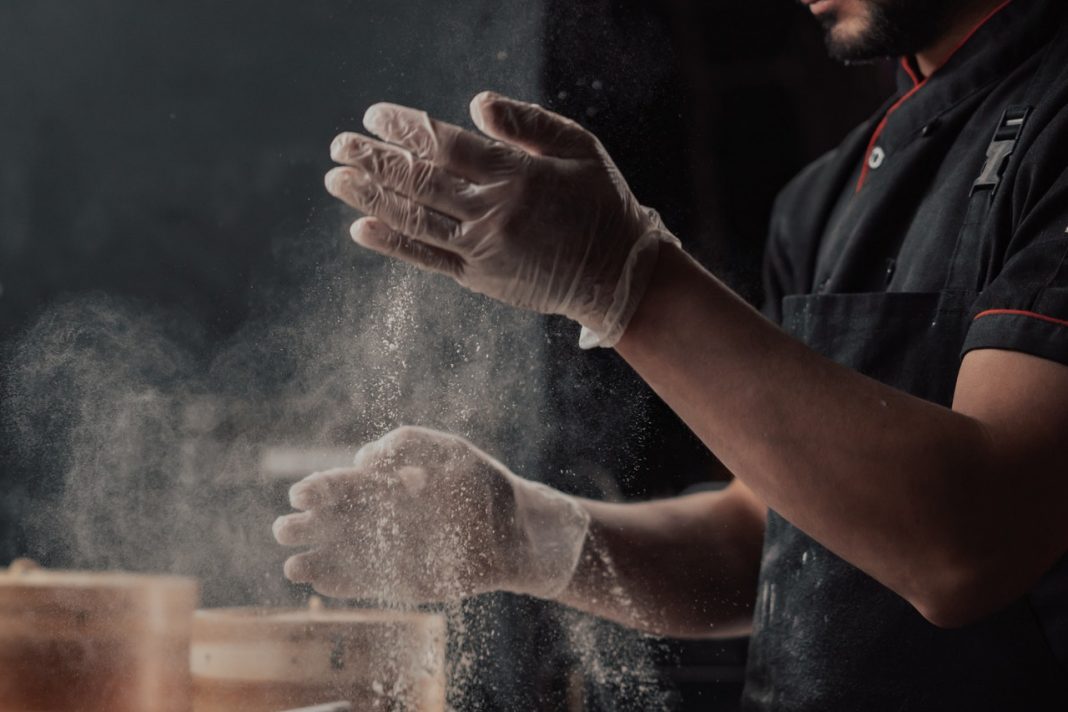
{"x":1025,"y":306}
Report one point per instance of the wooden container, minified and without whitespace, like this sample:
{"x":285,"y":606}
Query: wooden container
{"x":265,"y":660}
{"x":94,"y":642}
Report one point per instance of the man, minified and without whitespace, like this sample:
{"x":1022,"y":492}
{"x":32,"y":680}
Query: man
{"x":896,"y":532}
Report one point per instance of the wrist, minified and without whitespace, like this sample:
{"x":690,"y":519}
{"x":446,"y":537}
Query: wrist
{"x":672,"y":269}
{"x":551,"y":528}
{"x":606,"y":329}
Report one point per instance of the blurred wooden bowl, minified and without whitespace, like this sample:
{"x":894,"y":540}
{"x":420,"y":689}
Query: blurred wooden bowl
{"x":270,"y":659}
{"x":94,"y":641}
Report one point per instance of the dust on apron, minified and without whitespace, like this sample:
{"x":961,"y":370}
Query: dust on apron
{"x":882,"y":255}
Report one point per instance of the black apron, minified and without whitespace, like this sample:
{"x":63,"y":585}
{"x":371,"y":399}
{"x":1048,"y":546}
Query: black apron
{"x":872,"y":650}
{"x":886,"y":656}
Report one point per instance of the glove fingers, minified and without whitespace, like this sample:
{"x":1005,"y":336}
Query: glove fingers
{"x":301,"y":567}
{"x":398,"y":212}
{"x":302,"y":529}
{"x":338,"y":570}
{"x":402,"y":172}
{"x":462,"y":153}
{"x":531,"y":127}
{"x":317,"y":567}
{"x":376,"y":235}
{"x":318,"y":490}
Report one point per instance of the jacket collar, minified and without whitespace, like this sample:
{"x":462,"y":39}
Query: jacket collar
{"x":1014,"y":32}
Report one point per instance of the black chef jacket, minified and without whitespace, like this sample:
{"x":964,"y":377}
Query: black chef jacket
{"x":895,"y":254}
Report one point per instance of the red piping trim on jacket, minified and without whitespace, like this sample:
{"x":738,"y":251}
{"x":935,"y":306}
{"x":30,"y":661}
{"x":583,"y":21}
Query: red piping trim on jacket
{"x":917,"y":84}
{"x":907,"y":66}
{"x":877,"y":134}
{"x":1021,"y":312}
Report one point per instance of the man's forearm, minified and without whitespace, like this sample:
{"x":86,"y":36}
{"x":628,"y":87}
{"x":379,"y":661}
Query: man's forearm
{"x":874,"y":474}
{"x":682,"y":567}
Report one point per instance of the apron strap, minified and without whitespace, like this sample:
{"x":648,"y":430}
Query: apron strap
{"x":1001,"y":148}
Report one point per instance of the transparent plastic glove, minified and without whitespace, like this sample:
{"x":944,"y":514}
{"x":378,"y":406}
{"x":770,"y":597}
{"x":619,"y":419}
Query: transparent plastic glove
{"x":423,"y":516}
{"x":537,"y":215}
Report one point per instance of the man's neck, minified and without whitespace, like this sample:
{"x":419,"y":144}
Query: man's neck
{"x":966,"y":21}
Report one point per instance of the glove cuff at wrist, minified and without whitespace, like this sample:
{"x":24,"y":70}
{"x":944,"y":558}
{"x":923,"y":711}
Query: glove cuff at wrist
{"x":553,"y":527}
{"x":633,"y":281}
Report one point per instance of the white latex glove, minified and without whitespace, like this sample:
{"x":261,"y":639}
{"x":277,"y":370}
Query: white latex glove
{"x":539,"y":218}
{"x":423,"y":516}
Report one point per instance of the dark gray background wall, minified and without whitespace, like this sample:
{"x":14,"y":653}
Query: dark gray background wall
{"x":157,"y":149}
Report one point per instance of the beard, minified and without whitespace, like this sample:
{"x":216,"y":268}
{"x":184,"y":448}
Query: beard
{"x":894,"y":28}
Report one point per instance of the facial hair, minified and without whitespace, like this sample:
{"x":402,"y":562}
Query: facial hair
{"x":895,"y":28}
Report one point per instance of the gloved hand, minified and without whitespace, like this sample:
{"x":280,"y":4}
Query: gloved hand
{"x":423,"y":516}
{"x":539,"y":218}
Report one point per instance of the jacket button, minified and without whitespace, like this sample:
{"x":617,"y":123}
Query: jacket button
{"x":878,"y":155}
